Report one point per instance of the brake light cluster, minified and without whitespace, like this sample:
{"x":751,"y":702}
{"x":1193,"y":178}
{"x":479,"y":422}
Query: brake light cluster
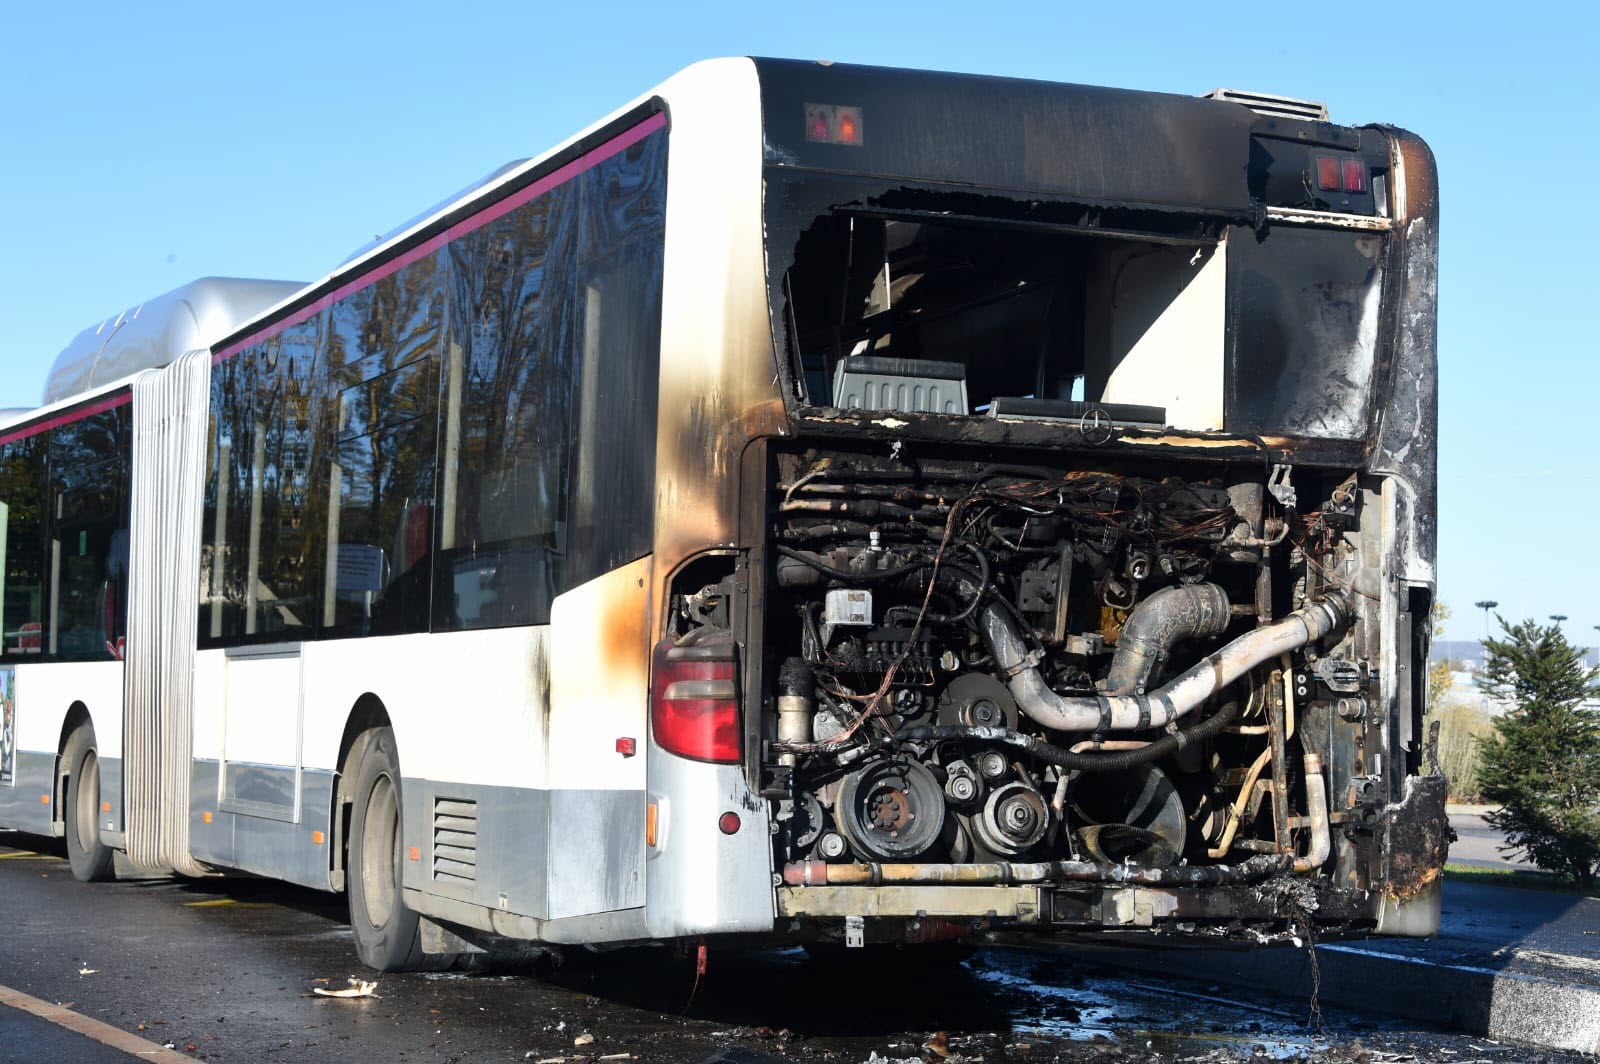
{"x":828,"y":123}
{"x":1341,"y":173}
{"x":694,"y":699}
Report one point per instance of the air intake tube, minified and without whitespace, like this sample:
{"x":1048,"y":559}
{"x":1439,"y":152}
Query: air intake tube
{"x":1198,"y":612}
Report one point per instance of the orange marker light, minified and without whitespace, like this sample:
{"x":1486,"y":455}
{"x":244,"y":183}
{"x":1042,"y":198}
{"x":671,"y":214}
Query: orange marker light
{"x":316,"y":837}
{"x":44,"y":799}
{"x":650,"y":824}
{"x":105,"y":807}
{"x":415,"y":854}
{"x":206,"y":816}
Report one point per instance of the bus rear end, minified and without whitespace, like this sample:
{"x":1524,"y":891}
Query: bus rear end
{"x":1086,"y":587}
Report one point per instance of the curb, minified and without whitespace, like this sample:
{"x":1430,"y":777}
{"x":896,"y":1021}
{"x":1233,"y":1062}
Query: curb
{"x":1513,"y":1006}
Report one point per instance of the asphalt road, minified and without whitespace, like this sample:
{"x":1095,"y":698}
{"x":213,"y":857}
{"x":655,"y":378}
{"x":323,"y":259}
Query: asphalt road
{"x":225,"y":970}
{"x":1478,"y":844}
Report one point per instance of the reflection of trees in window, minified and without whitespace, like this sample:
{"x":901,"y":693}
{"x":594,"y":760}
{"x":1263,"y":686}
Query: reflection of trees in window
{"x":383,"y":366}
{"x":452,"y":377}
{"x":508,"y":378}
{"x":22,"y":546}
{"x":571,"y":278}
{"x":619,"y":284}
{"x":88,"y":548}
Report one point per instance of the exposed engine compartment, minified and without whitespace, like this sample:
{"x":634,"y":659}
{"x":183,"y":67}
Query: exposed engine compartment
{"x":1020,"y":674}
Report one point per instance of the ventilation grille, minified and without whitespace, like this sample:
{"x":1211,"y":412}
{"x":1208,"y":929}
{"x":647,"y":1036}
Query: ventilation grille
{"x":455,"y":840}
{"x":1276,"y":106}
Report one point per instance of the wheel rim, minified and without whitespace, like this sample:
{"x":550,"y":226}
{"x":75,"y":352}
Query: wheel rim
{"x":380,"y":851}
{"x":88,"y":810}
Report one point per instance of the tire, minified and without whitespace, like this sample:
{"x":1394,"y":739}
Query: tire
{"x":91,"y":859}
{"x":387,"y":934}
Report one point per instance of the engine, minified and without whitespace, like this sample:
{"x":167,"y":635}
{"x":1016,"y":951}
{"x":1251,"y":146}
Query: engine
{"x":1046,"y":671}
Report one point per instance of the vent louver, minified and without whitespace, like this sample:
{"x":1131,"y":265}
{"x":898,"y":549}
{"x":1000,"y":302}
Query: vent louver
{"x":1276,"y":106}
{"x":455,"y":840}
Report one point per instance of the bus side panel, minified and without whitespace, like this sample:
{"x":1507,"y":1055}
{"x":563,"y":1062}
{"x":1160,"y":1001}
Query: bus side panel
{"x":248,"y":809}
{"x":42,"y":695}
{"x":600,"y":669}
{"x":468,"y":713}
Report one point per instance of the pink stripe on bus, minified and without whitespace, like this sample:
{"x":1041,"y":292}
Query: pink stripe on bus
{"x":66,"y":417}
{"x":561,"y":175}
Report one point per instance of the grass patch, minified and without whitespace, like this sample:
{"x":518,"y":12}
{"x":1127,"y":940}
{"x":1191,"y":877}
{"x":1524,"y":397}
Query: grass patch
{"x":1513,"y":877}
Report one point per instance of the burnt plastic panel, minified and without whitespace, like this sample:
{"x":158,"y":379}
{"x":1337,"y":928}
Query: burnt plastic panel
{"x":1088,"y":143}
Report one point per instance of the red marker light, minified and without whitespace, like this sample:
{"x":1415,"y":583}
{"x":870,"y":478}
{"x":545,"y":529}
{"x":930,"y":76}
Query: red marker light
{"x":1355,"y":175}
{"x":849,"y":127}
{"x":829,"y":123}
{"x":1328,"y":173}
{"x":626,"y":747}
{"x":728,"y":823}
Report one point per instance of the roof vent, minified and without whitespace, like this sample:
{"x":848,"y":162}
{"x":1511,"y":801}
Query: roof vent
{"x":1276,"y":106}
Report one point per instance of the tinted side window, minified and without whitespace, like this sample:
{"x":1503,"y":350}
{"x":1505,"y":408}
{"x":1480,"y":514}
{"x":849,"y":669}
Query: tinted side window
{"x":89,"y":536}
{"x":619,"y":307}
{"x":22,"y":567}
{"x":506,"y":393}
{"x":383,"y":379}
{"x":222,"y":554}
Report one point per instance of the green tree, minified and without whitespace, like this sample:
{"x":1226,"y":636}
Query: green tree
{"x":1542,"y":763}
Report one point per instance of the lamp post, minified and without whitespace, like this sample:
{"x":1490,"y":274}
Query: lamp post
{"x":1486,"y":605}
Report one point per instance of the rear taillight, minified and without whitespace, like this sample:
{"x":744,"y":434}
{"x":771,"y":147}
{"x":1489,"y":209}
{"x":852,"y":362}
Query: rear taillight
{"x":1327,"y":173}
{"x":1355,"y":175}
{"x":694,"y":699}
{"x":1341,"y":173}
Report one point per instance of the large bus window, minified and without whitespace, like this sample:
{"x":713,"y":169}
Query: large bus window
{"x":89,"y":536}
{"x":281,"y":567}
{"x":224,"y":544}
{"x":506,"y":391}
{"x":383,"y":369}
{"x":22,"y":472}
{"x":619,"y":303}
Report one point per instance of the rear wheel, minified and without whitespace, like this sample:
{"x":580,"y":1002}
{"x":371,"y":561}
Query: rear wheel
{"x":387,"y":933}
{"x":91,"y":859}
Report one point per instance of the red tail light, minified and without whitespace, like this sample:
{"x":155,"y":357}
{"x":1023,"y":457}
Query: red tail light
{"x":1355,"y":175}
{"x":1327,"y":173}
{"x":694,"y":699}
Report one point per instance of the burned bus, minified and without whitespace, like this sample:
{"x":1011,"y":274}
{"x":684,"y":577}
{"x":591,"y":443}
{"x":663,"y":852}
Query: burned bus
{"x":816,"y":503}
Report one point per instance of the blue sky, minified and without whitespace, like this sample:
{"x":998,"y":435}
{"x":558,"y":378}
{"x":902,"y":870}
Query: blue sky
{"x":144,"y":145}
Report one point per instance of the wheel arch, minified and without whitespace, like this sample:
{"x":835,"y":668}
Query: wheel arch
{"x":368,"y":714}
{"x":77,"y":715}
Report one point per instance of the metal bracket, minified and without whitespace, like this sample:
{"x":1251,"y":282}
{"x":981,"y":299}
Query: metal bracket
{"x":855,"y":932}
{"x":1278,"y":484}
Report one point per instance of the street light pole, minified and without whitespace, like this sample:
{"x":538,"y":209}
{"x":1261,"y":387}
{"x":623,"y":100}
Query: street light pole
{"x":1486,"y":605}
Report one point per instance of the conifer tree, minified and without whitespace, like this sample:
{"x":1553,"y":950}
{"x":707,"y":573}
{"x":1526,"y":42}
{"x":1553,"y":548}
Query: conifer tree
{"x":1542,"y":762}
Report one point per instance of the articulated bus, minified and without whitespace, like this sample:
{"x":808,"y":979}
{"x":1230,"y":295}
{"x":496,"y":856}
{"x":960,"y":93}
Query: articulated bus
{"x":817,"y":504}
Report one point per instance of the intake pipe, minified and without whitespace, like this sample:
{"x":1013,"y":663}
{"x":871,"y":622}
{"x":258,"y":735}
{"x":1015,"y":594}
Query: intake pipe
{"x":1183,"y":694}
{"x":1156,"y":625}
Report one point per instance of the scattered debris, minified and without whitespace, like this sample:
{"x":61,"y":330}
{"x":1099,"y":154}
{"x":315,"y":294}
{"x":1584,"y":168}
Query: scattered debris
{"x":358,"y":988}
{"x":88,"y":971}
{"x":584,"y":1039}
{"x":939,"y":1045}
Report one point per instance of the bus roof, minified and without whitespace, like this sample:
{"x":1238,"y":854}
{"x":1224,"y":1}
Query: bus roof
{"x":157,"y":331}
